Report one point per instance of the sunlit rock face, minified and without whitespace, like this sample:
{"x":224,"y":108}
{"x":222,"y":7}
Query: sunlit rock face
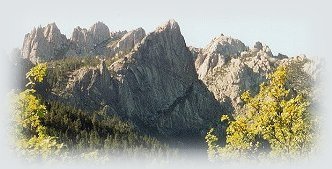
{"x":47,"y":43}
{"x":154,"y":80}
{"x":90,"y":41}
{"x":228,"y":68}
{"x":155,"y":86}
{"x":217,"y":53}
{"x":44,"y":43}
{"x":127,"y":42}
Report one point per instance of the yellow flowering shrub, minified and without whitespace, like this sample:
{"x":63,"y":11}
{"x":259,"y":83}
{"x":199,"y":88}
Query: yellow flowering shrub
{"x":274,"y":123}
{"x":32,"y":138}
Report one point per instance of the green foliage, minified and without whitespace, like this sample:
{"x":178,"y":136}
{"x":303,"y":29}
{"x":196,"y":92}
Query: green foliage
{"x":212,"y":145}
{"x":31,"y":134}
{"x":45,"y":128}
{"x":274,"y":122}
{"x":60,"y":71}
{"x":298,"y":79}
{"x":36,"y":75}
{"x":81,"y":131}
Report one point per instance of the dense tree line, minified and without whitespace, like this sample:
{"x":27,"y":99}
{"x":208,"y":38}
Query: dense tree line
{"x":47,"y":127}
{"x":80,"y":130}
{"x":59,"y":70}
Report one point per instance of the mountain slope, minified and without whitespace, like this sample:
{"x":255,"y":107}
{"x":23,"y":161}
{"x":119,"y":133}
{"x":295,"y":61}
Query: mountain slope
{"x":155,"y":86}
{"x":166,"y":89}
{"x":228,"y":68}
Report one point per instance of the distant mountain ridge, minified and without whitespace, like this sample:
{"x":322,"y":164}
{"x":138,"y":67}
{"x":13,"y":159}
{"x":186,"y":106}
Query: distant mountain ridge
{"x":48,"y":43}
{"x":228,"y":68}
{"x":167,"y":89}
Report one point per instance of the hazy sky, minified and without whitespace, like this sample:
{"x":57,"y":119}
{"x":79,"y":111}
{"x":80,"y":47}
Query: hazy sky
{"x":287,"y":27}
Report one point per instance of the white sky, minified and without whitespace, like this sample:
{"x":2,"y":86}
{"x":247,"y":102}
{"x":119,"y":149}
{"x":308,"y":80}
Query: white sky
{"x":287,"y":27}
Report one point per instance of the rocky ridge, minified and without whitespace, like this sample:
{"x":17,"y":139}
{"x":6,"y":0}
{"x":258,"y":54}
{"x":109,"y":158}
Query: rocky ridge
{"x":155,"y":86}
{"x":217,"y":53}
{"x":163,"y":87}
{"x":47,"y":43}
{"x":44,"y":42}
{"x":245,"y":69}
{"x":127,"y":42}
{"x":85,"y":41}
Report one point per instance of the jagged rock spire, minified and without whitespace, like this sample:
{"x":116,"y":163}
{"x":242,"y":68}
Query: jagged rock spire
{"x":158,"y":87}
{"x":44,"y":43}
{"x":219,"y":51}
{"x":47,"y":43}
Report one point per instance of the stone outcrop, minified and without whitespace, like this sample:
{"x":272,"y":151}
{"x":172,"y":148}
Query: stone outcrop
{"x":245,"y":72}
{"x":163,"y":87}
{"x":118,"y":34}
{"x":246,"y":69}
{"x":47,"y":43}
{"x":217,"y":53}
{"x":156,"y":87}
{"x":195,"y":52}
{"x":92,"y":41}
{"x":228,"y":67}
{"x":44,"y":43}
{"x":127,"y":42}
{"x":91,"y":87}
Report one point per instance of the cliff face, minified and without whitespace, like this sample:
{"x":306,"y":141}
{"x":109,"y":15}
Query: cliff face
{"x":228,"y":68}
{"x":244,"y":70}
{"x":217,"y":53}
{"x":47,"y":43}
{"x":44,"y":43}
{"x":155,"y":81}
{"x":155,"y":86}
{"x":92,"y":41}
{"x":127,"y":42}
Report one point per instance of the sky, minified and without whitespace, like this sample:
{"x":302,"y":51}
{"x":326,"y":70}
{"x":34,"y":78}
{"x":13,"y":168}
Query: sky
{"x":286,"y":27}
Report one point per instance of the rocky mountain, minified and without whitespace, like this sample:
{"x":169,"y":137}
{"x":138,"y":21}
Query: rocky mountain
{"x":228,"y":68}
{"x":217,"y":53}
{"x":166,"y":89}
{"x":155,"y":86}
{"x":44,"y":43}
{"x":127,"y":42}
{"x":85,"y":41}
{"x":47,"y":43}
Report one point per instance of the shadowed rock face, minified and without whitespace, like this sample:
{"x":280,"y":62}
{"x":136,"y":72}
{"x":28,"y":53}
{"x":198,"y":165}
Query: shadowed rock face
{"x":153,"y":81}
{"x":92,"y":88}
{"x":156,"y":87}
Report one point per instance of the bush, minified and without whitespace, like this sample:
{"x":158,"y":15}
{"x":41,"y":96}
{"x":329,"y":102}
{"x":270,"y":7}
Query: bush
{"x":275,"y":122}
